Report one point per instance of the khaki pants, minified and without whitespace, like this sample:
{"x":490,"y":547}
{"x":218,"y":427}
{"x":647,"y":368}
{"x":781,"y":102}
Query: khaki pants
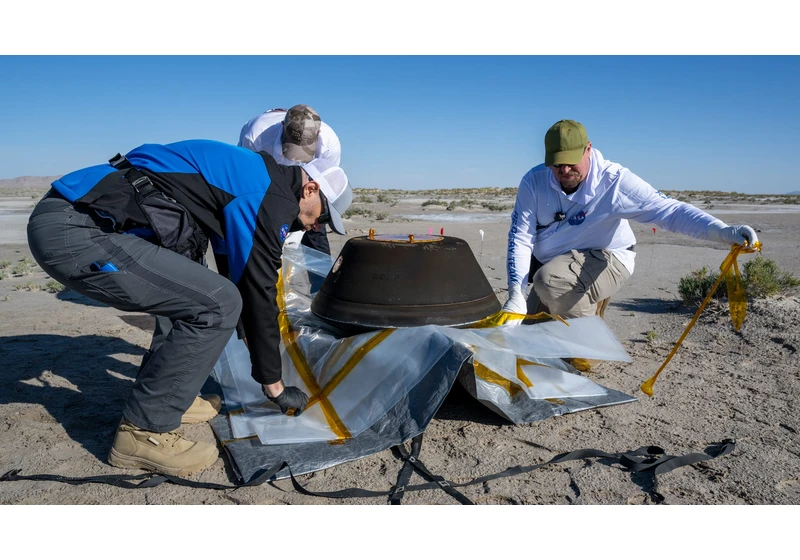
{"x":571,"y":284}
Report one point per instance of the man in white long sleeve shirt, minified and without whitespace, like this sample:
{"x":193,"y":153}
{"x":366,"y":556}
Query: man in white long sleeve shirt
{"x":570,"y":223}
{"x":294,"y":137}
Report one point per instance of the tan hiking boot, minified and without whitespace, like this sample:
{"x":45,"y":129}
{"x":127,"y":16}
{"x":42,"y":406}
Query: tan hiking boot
{"x":581,"y":364}
{"x":203,"y":409}
{"x":166,"y":453}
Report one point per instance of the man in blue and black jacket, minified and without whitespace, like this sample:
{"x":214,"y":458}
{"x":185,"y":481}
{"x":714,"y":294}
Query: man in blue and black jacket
{"x":133,"y":234}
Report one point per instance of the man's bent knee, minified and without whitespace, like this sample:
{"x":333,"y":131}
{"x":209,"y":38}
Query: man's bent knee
{"x":230,"y":306}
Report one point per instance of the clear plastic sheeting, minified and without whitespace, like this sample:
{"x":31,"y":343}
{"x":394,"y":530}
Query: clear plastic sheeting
{"x":354,"y":381}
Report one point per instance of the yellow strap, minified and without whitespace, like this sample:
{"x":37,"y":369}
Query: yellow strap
{"x":502,"y":317}
{"x":495,"y":378}
{"x":521,"y":374}
{"x":738,"y":309}
{"x":289,"y":337}
{"x":357,"y":356}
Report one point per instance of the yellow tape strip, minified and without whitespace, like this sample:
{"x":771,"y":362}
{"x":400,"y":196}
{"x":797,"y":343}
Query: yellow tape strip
{"x":725,"y":267}
{"x":341,"y":349}
{"x":495,"y":378}
{"x":357,"y":356}
{"x":521,"y":374}
{"x":289,"y":337}
{"x":502,"y":317}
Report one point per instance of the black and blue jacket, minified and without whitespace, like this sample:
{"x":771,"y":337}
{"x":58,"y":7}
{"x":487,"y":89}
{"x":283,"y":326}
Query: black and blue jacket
{"x":245,"y":203}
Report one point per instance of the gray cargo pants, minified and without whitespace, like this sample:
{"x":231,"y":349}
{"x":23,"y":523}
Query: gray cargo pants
{"x":571,"y":284}
{"x":202,"y":306}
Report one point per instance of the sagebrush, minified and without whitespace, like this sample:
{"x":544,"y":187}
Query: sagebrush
{"x":761,"y":278}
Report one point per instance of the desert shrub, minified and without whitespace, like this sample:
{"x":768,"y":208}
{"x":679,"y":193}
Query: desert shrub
{"x":381,"y":216}
{"x":761,"y":278}
{"x":29,"y":286}
{"x":496,"y":207}
{"x":55,"y":287}
{"x":357,"y":211}
{"x":694,"y":287}
{"x":364,"y":199}
{"x":4,"y":264}
{"x":434,"y":201}
{"x":463,"y":203}
{"x":383,"y":197}
{"x":23,"y":267}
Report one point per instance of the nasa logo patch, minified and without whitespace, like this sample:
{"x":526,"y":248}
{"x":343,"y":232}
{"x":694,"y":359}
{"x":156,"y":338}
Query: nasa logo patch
{"x":577,"y":219}
{"x":284,"y":232}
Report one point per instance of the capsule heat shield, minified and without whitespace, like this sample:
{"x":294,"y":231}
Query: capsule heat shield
{"x":387,"y":281}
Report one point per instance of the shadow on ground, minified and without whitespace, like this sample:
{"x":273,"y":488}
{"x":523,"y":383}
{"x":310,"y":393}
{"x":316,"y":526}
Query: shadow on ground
{"x":648,"y":305}
{"x":78,"y":380}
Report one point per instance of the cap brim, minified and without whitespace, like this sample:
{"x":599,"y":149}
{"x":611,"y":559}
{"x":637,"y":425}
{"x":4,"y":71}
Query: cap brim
{"x":336,"y":222}
{"x":569,"y":157}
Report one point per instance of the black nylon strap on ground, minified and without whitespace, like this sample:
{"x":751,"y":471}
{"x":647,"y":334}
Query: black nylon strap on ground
{"x":404,"y":476}
{"x":644,"y":459}
{"x":413,"y":460}
{"x":148,"y":480}
{"x":650,"y":459}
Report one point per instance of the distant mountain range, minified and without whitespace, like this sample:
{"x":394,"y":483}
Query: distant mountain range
{"x":43,"y":183}
{"x":39,"y":183}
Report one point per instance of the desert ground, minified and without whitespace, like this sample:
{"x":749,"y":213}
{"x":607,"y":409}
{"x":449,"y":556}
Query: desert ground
{"x":67,"y":364}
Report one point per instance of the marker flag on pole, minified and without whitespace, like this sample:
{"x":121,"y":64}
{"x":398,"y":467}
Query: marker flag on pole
{"x":441,"y":232}
{"x":430,"y":231}
{"x":480,"y":230}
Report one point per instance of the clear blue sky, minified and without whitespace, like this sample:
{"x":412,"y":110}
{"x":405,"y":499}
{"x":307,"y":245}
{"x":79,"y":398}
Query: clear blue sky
{"x":421,"y":122}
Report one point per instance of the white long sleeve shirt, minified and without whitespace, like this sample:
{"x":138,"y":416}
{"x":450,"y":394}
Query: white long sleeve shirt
{"x":597,"y":216}
{"x":263,"y":133}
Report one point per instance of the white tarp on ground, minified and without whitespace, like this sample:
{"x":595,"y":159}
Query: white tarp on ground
{"x":353,"y":381}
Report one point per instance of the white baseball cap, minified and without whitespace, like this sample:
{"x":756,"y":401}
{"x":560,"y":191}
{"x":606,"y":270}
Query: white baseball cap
{"x":334,"y":185}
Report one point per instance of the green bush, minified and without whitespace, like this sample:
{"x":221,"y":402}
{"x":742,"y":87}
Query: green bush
{"x":381,"y":216}
{"x":761,"y":278}
{"x":54,"y":287}
{"x":357,"y":211}
{"x":496,"y":207}
{"x":23,"y":267}
{"x":463,"y":203}
{"x":694,"y":287}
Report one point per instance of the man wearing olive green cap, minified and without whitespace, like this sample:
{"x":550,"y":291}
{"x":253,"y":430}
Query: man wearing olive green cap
{"x":570,"y":236}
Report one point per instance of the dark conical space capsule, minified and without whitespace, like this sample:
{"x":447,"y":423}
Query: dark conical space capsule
{"x":382,"y":281}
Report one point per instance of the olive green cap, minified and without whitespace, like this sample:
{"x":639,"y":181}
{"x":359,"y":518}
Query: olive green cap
{"x":565,"y":143}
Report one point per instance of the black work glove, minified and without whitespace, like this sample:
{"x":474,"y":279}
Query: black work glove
{"x":291,"y":397}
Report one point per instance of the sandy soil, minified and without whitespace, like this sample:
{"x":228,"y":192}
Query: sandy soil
{"x":67,"y":364}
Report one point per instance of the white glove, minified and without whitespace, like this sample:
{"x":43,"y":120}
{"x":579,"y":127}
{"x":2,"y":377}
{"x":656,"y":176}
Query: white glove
{"x":515,"y":304}
{"x":732,"y":234}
